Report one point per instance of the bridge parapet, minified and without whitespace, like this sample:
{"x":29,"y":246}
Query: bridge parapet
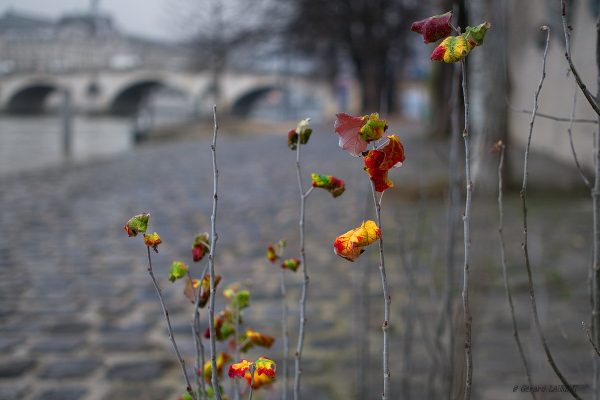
{"x":122,"y":92}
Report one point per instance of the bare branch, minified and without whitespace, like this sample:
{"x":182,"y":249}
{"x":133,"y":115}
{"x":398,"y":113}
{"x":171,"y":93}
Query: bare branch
{"x":201,"y":386}
{"x":285,"y":334}
{"x":570,"y":132}
{"x":467,"y":239}
{"x":211,"y":262}
{"x":590,"y":98}
{"x":536,"y":317}
{"x":553,"y":117}
{"x":504,"y":269}
{"x":303,"y":296}
{"x":386,"y":301}
{"x":169,"y":329}
{"x":589,"y":336}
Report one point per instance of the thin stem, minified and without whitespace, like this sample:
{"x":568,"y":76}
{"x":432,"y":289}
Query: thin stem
{"x":308,"y":192}
{"x":555,"y":118}
{"x":589,"y":336}
{"x":236,"y":339}
{"x":596,"y":221}
{"x":573,"y":152}
{"x":169,"y":329}
{"x":536,"y":317}
{"x":211,"y":262}
{"x":447,"y":304}
{"x":453,"y":211}
{"x":252,"y":369}
{"x":197,"y":338}
{"x":504,"y":269}
{"x":588,"y":95}
{"x":363,"y":322}
{"x":285,"y":335}
{"x":386,"y":301}
{"x":595,"y":192}
{"x":467,"y":239}
{"x":303,"y":296}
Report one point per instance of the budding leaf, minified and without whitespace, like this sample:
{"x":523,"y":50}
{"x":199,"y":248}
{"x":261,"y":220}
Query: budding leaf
{"x":304,"y":130}
{"x":373,"y":128}
{"x":333,"y":185}
{"x":476,"y":34}
{"x":241,"y":299}
{"x":291,"y":263}
{"x":153,"y":240}
{"x":178,"y":271}
{"x":137,"y":224}
{"x":200,"y":246}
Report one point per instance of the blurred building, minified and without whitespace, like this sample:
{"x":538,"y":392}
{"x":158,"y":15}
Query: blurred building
{"x":79,"y":42}
{"x":525,"y":52}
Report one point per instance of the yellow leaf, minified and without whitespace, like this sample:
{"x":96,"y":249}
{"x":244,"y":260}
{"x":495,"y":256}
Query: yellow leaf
{"x":350,"y":244}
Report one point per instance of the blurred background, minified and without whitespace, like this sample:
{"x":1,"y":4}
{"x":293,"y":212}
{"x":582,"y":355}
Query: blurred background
{"x":106,"y":111}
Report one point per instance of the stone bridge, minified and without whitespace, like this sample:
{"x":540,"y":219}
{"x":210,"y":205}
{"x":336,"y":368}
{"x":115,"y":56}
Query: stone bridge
{"x":123,"y":92}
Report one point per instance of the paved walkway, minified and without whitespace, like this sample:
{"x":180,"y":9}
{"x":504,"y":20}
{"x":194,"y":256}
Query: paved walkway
{"x":80,"y":320}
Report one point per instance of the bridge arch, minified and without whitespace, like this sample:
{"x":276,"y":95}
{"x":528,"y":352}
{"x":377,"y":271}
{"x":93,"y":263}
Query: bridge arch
{"x":31,"y":98}
{"x":243,"y":104}
{"x":278,"y":100}
{"x":131,"y":96}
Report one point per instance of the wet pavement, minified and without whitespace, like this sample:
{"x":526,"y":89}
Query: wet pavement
{"x":79,"y":318}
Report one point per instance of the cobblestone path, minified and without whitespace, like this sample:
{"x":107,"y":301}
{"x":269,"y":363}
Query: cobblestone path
{"x":79,"y":318}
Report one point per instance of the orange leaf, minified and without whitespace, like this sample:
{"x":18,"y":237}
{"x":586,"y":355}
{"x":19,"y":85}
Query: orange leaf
{"x":379,"y":162}
{"x":350,"y":244}
{"x":239,"y":369}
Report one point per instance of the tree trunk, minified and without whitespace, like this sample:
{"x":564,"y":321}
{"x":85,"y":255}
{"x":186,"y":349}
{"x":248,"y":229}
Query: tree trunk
{"x":440,"y":87}
{"x":371,"y":86}
{"x":489,"y":91}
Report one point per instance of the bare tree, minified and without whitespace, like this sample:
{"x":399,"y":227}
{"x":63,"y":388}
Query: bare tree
{"x":370,"y":35}
{"x":216,"y":29}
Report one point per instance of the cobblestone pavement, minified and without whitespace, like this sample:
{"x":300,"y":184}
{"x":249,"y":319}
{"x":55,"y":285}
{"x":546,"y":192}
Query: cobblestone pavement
{"x":79,"y":318}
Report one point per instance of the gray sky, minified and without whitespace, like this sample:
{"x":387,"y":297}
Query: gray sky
{"x":145,"y":17}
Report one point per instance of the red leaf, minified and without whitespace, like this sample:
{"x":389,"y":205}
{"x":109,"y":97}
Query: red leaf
{"x":348,"y":128}
{"x":433,"y":28}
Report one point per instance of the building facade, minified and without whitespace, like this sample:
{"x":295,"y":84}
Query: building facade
{"x":76,"y":43}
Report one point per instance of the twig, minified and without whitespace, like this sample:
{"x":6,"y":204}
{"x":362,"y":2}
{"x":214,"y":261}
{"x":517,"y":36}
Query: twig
{"x":386,"y":300}
{"x":536,"y":317}
{"x":211,"y":262}
{"x":554,"y":118}
{"x":453,"y":211}
{"x":169,"y":329}
{"x":595,"y":191}
{"x":285,"y":334}
{"x":584,"y":89}
{"x":447,"y":304}
{"x":467,"y":239}
{"x":409,"y":333}
{"x":303,"y":296}
{"x":197,"y":338}
{"x":252,"y":369}
{"x":570,"y":132}
{"x":596,"y":218}
{"x":362,"y":322}
{"x":589,"y":336}
{"x":504,"y":269}
{"x":236,"y":336}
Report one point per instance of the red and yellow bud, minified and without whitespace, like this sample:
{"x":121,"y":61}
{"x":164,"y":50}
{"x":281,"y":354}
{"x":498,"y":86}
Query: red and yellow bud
{"x":153,"y":240}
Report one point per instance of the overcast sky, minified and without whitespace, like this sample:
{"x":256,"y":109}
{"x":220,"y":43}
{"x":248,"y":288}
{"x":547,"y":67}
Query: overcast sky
{"x":145,"y":17}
